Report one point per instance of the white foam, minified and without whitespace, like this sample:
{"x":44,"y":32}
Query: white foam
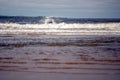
{"x":61,"y":28}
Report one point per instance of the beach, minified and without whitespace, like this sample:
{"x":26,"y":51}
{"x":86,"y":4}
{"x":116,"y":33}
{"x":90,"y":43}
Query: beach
{"x":66,"y":58}
{"x":60,"y":51}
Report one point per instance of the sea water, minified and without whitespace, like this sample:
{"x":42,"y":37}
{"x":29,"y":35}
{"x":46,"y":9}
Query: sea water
{"x":67,"y":46}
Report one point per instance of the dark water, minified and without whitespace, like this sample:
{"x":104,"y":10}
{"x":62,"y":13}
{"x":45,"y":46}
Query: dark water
{"x":38,"y":20}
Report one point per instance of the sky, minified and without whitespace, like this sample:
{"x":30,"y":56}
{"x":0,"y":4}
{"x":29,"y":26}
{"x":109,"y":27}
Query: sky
{"x":61,"y":8}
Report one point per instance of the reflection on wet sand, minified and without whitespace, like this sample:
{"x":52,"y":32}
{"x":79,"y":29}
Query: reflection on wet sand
{"x":71,"y":56}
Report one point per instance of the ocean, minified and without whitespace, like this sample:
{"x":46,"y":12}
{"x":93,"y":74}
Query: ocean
{"x":79,"y":48}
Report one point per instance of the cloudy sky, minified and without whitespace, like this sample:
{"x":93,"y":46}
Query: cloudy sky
{"x":61,"y":8}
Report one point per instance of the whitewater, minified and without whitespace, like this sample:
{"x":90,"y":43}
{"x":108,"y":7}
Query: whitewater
{"x":61,"y":29}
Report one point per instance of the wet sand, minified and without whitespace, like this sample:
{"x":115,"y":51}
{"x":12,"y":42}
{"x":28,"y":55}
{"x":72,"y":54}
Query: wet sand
{"x":59,"y":57}
{"x":7,"y":75}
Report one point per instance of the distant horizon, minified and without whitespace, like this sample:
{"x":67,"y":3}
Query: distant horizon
{"x":58,"y":16}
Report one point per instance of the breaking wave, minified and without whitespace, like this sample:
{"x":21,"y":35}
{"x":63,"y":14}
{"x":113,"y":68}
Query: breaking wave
{"x":60,"y":28}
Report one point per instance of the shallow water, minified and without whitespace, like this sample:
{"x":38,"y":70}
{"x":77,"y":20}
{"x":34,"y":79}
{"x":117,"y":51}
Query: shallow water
{"x":59,"y":54}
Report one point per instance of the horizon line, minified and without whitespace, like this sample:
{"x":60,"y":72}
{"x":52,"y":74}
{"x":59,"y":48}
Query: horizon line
{"x":58,"y":16}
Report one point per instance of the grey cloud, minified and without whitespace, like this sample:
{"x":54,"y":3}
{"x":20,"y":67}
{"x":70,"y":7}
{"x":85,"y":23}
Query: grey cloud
{"x":61,"y":3}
